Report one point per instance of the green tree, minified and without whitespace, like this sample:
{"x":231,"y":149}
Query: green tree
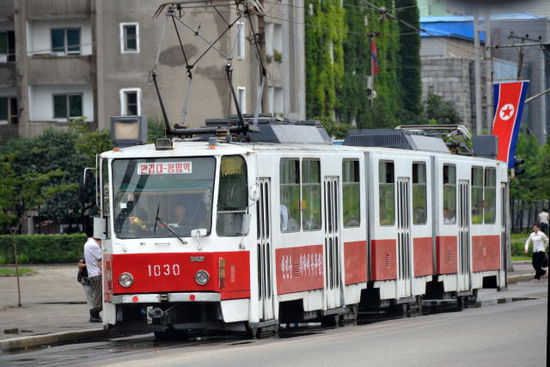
{"x":439,"y":110}
{"x":530,"y":185}
{"x":409,"y":61}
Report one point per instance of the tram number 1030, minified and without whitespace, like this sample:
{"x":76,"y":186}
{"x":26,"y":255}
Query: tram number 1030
{"x":163,"y":270}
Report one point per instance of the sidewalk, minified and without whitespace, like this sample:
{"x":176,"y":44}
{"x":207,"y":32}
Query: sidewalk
{"x":54,"y":308}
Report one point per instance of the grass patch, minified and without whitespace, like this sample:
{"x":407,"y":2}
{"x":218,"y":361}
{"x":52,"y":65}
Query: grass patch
{"x":10,"y":272}
{"x":521,"y":258}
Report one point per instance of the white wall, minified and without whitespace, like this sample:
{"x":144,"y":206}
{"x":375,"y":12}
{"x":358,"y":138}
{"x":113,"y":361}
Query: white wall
{"x":41,"y":101}
{"x":39,"y":39}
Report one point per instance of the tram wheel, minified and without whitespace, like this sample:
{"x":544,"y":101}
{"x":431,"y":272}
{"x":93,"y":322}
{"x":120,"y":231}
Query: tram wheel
{"x":252,"y":332}
{"x":330,"y":321}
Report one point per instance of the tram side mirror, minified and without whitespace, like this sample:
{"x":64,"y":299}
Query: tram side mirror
{"x":245,"y":223}
{"x":87,"y":187}
{"x":253,"y":193}
{"x":198,"y":233}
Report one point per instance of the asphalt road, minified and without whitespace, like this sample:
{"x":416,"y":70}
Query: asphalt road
{"x":512,"y":333}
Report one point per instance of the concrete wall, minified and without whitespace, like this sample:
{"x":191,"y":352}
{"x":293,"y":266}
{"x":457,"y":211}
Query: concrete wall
{"x":57,"y":9}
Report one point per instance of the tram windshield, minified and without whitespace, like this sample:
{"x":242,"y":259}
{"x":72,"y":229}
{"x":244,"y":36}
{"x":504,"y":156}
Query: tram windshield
{"x":162,"y":197}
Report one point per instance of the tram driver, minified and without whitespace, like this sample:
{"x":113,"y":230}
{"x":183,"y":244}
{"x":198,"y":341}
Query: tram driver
{"x":181,"y":224}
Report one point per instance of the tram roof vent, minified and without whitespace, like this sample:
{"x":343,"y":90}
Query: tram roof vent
{"x":282,"y":131}
{"x":399,"y":139}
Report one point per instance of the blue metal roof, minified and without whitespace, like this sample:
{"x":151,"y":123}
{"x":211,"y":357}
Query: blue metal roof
{"x":463,"y":26}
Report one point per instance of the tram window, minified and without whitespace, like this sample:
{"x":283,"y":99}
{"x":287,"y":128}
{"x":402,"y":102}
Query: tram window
{"x":232,"y":196}
{"x":157,"y":197}
{"x":311,"y":195}
{"x":290,"y":195}
{"x":477,"y":195}
{"x":105,"y":179}
{"x":489,"y":194}
{"x":386,"y":193}
{"x":350,"y":188}
{"x":449,"y":194}
{"x":420,"y":200}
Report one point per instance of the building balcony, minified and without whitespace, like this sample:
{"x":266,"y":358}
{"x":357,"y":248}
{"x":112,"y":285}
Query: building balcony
{"x":49,"y":69}
{"x":7,"y":75}
{"x":58,"y":9}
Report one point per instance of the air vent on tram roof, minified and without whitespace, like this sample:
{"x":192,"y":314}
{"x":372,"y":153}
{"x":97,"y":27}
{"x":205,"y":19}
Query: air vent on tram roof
{"x":281,"y":131}
{"x":399,"y":139}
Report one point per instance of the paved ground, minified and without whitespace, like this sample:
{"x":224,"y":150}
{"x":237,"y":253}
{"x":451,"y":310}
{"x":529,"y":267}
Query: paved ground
{"x":53,"y":301}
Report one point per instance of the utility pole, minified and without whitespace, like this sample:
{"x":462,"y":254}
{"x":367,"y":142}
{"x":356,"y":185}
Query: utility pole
{"x":477,"y":73}
{"x":488,"y":72}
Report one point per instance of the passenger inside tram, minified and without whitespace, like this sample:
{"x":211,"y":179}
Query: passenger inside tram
{"x":448,"y":216}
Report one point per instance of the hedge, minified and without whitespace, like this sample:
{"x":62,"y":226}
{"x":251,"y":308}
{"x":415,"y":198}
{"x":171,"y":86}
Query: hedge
{"x":42,"y":249}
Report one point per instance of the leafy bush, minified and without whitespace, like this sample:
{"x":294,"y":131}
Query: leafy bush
{"x":43,"y":249}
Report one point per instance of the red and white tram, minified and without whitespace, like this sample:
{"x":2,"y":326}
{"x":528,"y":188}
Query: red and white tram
{"x":221,"y":234}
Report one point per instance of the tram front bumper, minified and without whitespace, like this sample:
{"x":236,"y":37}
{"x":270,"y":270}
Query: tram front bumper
{"x":166,"y":297}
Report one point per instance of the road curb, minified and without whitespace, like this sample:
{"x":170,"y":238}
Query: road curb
{"x":519,"y":278}
{"x":48,"y":339}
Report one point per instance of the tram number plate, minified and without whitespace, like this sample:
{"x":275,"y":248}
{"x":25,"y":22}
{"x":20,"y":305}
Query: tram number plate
{"x":163,"y":270}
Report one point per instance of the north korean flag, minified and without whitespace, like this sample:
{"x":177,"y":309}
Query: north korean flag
{"x":509,"y":103}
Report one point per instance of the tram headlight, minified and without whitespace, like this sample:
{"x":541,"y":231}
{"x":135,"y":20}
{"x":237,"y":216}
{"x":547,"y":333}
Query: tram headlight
{"x":126,"y":280}
{"x":202,"y":277}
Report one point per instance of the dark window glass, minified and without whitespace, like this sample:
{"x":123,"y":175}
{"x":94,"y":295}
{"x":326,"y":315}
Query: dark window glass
{"x":73,"y":41}
{"x":58,"y":40}
{"x":420,"y":196}
{"x":130,"y":37}
{"x":290,"y":195}
{"x":131,"y":103}
{"x":11,"y":46}
{"x":386,"y":193}
{"x":3,"y":43}
{"x":60,"y":106}
{"x":449,"y":194}
{"x":489,"y":195}
{"x":75,"y":105}
{"x":350,"y":189}
{"x":3,"y":109}
{"x":232,"y":196}
{"x":311,"y":195}
{"x":477,"y":195}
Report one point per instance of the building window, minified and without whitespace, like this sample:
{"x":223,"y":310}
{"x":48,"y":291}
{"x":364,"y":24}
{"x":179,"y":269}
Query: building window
{"x":274,"y":41}
{"x":66,"y":41}
{"x":67,"y":106}
{"x":129,"y":38}
{"x":130,"y":102}
{"x":420,"y":196}
{"x":351,"y":193}
{"x":386,"y":179}
{"x":8,"y":110}
{"x":311,"y":195}
{"x":7,"y":46}
{"x":290,"y":195}
{"x":240,"y":40}
{"x":449,"y":194}
{"x":276,"y":100}
{"x":241,"y":98}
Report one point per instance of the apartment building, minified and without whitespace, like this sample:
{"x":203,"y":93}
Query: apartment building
{"x":92,"y":59}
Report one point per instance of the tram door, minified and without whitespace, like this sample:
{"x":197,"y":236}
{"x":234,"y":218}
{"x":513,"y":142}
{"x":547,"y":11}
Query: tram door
{"x":331,"y":211}
{"x":464,"y":235}
{"x":264,"y":250}
{"x":504,"y":225}
{"x":404,"y":279}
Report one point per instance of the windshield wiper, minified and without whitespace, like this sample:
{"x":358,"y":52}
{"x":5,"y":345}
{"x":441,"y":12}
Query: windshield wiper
{"x":157,"y":219}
